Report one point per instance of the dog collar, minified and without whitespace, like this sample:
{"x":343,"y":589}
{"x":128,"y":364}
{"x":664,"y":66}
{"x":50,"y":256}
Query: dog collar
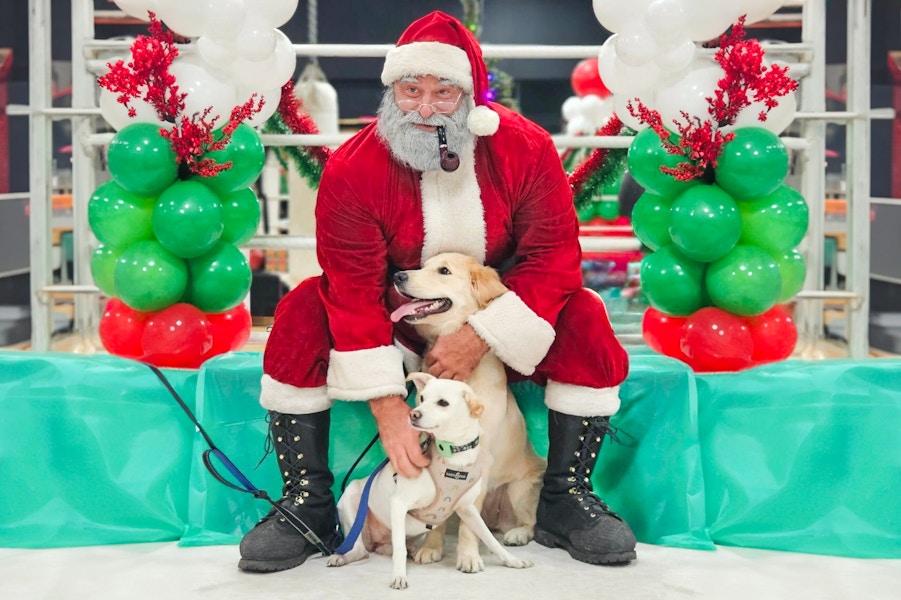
{"x":446,"y":449}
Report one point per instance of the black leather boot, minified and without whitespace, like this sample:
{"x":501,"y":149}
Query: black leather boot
{"x":301,"y":444}
{"x":570,"y":515}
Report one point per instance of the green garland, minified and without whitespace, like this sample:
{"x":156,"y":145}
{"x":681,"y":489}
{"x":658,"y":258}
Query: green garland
{"x":607,"y":174}
{"x":308,"y":167}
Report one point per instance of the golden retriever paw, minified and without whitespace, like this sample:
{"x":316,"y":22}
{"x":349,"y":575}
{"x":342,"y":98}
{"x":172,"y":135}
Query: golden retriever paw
{"x":519,"y":536}
{"x":470,"y":563}
{"x":428,"y":554}
{"x":518,"y":563}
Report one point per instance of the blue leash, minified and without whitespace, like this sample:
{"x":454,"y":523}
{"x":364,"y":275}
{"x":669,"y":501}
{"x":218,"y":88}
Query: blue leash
{"x":350,"y":537}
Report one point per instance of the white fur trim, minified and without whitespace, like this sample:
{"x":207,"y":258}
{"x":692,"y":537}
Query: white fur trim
{"x":444,"y":61}
{"x":581,"y":401}
{"x":452,"y":211}
{"x":366,"y":374}
{"x":518,"y":336}
{"x":293,"y":400}
{"x":483,"y":121}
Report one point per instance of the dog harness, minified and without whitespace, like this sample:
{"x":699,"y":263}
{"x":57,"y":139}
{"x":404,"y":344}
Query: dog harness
{"x":450,"y":483}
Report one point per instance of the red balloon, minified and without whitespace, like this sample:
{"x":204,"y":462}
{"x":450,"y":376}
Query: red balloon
{"x":663,"y":332}
{"x":177,"y":336}
{"x":773,"y":334}
{"x":121,"y":328}
{"x":586,"y":79}
{"x":231,"y":329}
{"x":715,"y":340}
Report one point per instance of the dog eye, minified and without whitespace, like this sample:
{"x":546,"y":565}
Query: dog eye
{"x":444,"y":271}
{"x":443,"y":402}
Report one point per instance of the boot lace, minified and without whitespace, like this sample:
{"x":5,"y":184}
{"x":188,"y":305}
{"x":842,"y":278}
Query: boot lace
{"x":586,"y":457}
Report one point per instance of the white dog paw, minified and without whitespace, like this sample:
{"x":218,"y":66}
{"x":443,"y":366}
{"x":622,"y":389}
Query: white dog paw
{"x":470,"y":564}
{"x":399,"y":582}
{"x":519,"y":536}
{"x":336,"y":560}
{"x":519,"y":564}
{"x":426,"y":555}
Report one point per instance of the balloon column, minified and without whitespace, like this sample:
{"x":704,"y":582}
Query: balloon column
{"x":722,"y":225}
{"x":179,"y":202}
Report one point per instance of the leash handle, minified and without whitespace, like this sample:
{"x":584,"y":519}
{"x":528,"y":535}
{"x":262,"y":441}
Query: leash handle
{"x":350,"y":538}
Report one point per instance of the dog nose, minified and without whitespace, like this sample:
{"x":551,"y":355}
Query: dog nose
{"x":415,"y":415}
{"x":401,"y":277}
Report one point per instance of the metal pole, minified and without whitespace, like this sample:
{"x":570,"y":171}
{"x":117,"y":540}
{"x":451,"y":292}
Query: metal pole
{"x":40,"y":145}
{"x":809,"y":315}
{"x":84,"y":156}
{"x":858,"y":172}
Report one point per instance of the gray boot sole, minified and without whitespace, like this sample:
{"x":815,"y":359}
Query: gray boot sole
{"x":550,"y":540}
{"x":271,"y":566}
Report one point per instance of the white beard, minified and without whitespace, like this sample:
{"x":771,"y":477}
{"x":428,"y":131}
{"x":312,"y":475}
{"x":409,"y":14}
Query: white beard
{"x":413,"y":146}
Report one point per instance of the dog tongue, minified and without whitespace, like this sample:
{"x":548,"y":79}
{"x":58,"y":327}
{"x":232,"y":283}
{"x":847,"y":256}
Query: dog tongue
{"x":408,"y":309}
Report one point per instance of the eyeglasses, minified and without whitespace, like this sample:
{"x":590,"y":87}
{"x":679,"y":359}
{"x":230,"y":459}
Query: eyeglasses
{"x":444,"y":107}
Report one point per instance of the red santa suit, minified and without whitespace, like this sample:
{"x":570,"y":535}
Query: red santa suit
{"x":508,"y":204}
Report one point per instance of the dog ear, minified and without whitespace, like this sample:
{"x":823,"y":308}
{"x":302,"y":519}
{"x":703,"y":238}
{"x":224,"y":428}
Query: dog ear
{"x":475,"y":405}
{"x":486,"y":284}
{"x":419,"y":380}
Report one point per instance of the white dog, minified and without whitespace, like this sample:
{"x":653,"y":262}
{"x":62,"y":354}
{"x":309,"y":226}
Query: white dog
{"x":444,"y":292}
{"x":401,"y":508}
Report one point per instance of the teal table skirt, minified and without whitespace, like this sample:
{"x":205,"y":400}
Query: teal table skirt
{"x":797,"y":456}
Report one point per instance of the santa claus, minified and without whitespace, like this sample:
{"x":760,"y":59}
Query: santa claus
{"x":492,"y":186}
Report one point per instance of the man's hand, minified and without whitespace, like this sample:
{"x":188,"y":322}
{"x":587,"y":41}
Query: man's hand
{"x":399,"y":439}
{"x":455,"y":355}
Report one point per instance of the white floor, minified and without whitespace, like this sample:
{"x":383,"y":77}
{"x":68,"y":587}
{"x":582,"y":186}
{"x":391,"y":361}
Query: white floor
{"x":165,"y":571}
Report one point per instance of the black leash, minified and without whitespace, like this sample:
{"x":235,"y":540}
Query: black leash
{"x":245,"y":484}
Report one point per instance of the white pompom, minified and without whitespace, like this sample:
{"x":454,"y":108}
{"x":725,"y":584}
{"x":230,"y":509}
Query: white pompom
{"x":483,"y":121}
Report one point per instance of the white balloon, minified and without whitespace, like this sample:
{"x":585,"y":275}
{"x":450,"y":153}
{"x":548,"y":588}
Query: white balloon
{"x":634,"y":45}
{"x":758,"y":10}
{"x":225,"y":19}
{"x":116,"y":114}
{"x":621,"y":109}
{"x":621,"y":78}
{"x":689,"y":94}
{"x":137,"y":8}
{"x":270,"y":98}
{"x":578,"y":125}
{"x":187,"y":18}
{"x":215,"y":54}
{"x":596,"y":109}
{"x":614,"y":15}
{"x":274,"y":12}
{"x":274,"y":71}
{"x":665,"y":21}
{"x":676,"y":58}
{"x":256,"y":40}
{"x":777,"y":119}
{"x":708,"y":19}
{"x":203,"y":88}
{"x":572,"y":107}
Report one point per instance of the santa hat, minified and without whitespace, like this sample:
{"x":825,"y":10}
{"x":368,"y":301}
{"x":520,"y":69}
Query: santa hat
{"x":440,"y":45}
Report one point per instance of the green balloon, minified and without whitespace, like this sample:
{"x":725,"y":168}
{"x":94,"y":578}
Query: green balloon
{"x":103,"y":266}
{"x":141,"y":160}
{"x":118,"y":217}
{"x":645,"y":157}
{"x":705,"y":223}
{"x":745,"y":282}
{"x":672,"y":282}
{"x":793,"y":271}
{"x":650,"y":220}
{"x":219,"y":280}
{"x":188,"y":219}
{"x":586,"y":212}
{"x":241,"y":215}
{"x":245,"y":152}
{"x":607,"y":210}
{"x":777,"y":222}
{"x":148,"y":277}
{"x":753,"y":164}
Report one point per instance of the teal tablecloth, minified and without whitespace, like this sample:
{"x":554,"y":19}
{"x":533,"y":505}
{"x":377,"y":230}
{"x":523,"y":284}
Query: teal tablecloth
{"x":799,"y":456}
